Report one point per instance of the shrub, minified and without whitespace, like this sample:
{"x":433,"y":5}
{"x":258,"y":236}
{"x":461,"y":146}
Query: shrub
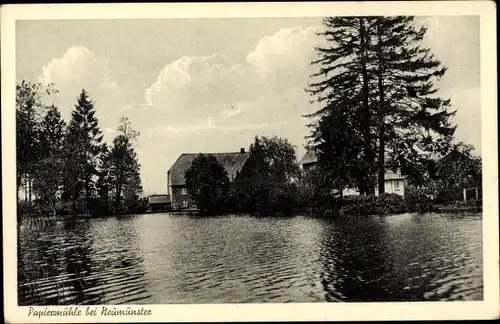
{"x":475,"y":202}
{"x":369,"y":204}
{"x":390,"y":204}
{"x":417,"y":195}
{"x":357,"y":205}
{"x":419,"y":199}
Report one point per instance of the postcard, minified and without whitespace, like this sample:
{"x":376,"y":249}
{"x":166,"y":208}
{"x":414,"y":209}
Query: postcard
{"x":249,"y":162}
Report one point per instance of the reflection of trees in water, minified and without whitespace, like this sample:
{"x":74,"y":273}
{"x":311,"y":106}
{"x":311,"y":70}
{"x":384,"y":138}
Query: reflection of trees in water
{"x":357,"y":260}
{"x":400,"y":258}
{"x":55,"y":265}
{"x":119,"y":261}
{"x":80,"y":262}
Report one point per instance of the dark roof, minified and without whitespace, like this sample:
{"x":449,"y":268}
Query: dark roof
{"x":310,"y":157}
{"x":159,"y":199}
{"x":233,"y":162}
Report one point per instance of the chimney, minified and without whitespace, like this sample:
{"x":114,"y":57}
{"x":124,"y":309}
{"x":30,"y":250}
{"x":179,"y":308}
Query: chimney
{"x":242,"y":150}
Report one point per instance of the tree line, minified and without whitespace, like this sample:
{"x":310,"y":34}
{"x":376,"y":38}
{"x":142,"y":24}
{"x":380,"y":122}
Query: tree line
{"x":67,"y":168}
{"x":272,"y":183}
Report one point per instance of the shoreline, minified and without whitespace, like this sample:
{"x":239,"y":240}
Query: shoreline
{"x":437,"y":210}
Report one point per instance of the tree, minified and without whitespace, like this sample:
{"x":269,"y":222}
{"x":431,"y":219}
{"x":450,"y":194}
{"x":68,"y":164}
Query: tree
{"x":208,"y":183}
{"x":48,"y":174}
{"x":52,"y":132}
{"x":274,"y":157}
{"x":48,"y":177}
{"x":120,"y":176}
{"x":29,"y":109}
{"x":344,"y":90}
{"x":411,"y":118}
{"x":338,"y":146}
{"x":82,"y":149}
{"x":103,"y":183}
{"x":457,"y":171}
{"x":264,"y":184}
{"x":378,"y":93}
{"x":308,"y":193}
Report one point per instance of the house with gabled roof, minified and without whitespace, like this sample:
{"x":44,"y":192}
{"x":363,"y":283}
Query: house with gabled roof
{"x":233,"y":162}
{"x":394,"y":182}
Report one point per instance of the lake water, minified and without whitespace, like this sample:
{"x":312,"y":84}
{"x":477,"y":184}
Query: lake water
{"x":166,"y":258}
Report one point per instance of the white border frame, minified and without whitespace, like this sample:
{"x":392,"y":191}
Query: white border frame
{"x":487,"y":309}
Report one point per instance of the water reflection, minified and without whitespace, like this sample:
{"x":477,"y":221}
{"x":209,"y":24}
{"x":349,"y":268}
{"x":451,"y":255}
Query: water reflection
{"x":357,"y":255}
{"x":70,"y":263}
{"x":162,"y":258}
{"x":58,"y":265}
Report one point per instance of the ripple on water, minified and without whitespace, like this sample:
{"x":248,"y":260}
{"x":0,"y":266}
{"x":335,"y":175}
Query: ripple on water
{"x":164,"y":259}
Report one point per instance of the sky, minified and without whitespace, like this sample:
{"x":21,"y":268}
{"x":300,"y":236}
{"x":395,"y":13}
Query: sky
{"x":212,"y":85}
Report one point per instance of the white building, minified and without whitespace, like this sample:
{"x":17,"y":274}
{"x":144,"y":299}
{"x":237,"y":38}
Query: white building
{"x":394,"y":181}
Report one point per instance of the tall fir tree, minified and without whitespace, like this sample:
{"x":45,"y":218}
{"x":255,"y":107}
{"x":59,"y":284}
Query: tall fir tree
{"x":82,"y":148}
{"x":53,"y":132}
{"x":378,"y":93}
{"x":344,"y":88}
{"x":412,"y":119}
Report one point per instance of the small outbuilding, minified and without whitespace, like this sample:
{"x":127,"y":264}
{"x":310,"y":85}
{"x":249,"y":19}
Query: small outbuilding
{"x":159,"y":203}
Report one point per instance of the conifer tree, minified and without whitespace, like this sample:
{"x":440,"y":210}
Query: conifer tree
{"x":83,"y":147}
{"x":48,"y":174}
{"x":344,"y":90}
{"x":412,"y":119}
{"x":53,"y":132}
{"x":378,"y":93}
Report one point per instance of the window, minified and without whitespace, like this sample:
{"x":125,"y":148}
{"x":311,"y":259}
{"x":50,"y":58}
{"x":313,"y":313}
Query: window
{"x":184,"y":191}
{"x":184,"y":204}
{"x":396,"y":184}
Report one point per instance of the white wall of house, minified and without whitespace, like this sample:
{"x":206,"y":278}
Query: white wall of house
{"x":396,"y":186}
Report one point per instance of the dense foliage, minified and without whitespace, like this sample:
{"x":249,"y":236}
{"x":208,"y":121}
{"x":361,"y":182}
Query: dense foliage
{"x":67,"y":169}
{"x":265,"y":185}
{"x":208,"y":184}
{"x":371,"y":205}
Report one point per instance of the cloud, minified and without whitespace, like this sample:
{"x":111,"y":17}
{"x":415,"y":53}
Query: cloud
{"x":210,"y":103}
{"x":283,"y":59}
{"x":78,"y":66}
{"x":194,"y":90}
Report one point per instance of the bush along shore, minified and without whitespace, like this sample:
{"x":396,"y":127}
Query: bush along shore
{"x":387,"y":204}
